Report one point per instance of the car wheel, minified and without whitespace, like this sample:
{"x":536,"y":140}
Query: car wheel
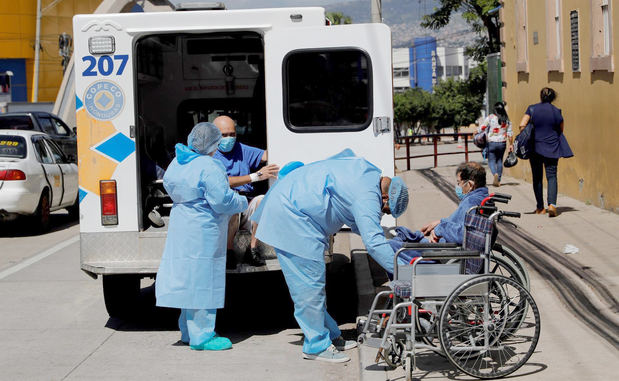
{"x":42,"y":215}
{"x":121,"y":293}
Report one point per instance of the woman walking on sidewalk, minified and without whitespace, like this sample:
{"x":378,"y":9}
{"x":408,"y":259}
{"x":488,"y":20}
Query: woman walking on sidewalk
{"x":498,"y":130}
{"x":550,"y":145}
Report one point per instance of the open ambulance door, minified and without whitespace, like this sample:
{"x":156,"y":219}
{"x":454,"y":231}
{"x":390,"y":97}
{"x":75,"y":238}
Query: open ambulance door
{"x":329,"y":88}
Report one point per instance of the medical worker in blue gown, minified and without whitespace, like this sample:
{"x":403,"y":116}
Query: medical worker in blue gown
{"x":297,"y":216}
{"x":192,"y":272}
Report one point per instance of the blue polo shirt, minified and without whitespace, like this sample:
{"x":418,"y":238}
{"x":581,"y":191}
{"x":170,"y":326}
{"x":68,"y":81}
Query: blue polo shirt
{"x":241,"y":161}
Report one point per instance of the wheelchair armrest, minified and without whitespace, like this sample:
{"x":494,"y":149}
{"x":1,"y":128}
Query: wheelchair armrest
{"x":430,"y":246}
{"x":448,"y":254}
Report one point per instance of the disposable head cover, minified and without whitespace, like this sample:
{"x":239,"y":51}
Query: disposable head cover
{"x":289,"y":167}
{"x":204,"y":138}
{"x":398,"y":196}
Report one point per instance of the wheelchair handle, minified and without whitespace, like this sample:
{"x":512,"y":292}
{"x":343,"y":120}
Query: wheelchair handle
{"x":502,"y":195}
{"x":511,"y":214}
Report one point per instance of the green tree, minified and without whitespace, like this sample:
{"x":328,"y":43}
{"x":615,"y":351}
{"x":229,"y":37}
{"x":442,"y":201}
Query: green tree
{"x":338,"y":18}
{"x":412,"y":107}
{"x":476,"y":14}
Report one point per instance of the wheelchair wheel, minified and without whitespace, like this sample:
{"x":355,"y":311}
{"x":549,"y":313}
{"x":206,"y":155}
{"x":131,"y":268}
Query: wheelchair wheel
{"x":500,"y":265}
{"x":393,"y":354}
{"x":510,"y":254}
{"x":489,"y":326}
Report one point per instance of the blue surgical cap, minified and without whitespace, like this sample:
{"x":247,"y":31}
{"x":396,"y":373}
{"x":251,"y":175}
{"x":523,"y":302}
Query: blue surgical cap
{"x":398,"y":196}
{"x":204,"y":138}
{"x":289,"y":167}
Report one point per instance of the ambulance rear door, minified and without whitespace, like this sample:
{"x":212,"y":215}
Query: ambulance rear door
{"x":329,"y":88}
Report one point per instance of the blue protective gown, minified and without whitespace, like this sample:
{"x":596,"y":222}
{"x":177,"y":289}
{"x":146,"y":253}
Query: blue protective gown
{"x":297,"y":216}
{"x":192,"y":272}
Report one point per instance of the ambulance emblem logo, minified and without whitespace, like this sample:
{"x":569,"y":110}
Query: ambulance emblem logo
{"x":104,"y":100}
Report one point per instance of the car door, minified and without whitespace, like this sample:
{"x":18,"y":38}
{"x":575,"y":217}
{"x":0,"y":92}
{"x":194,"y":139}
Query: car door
{"x":65,"y":139}
{"x":50,"y":169}
{"x":68,"y":172}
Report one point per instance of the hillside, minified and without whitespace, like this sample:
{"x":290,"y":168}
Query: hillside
{"x":404,"y":17}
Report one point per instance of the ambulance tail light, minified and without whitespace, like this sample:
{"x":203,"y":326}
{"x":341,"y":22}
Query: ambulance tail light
{"x":109,"y":204}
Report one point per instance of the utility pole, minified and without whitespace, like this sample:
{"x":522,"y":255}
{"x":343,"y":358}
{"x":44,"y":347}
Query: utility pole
{"x":376,"y":11}
{"x":37,"y":47}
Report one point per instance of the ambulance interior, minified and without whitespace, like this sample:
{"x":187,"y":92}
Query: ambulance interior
{"x":184,"y":79}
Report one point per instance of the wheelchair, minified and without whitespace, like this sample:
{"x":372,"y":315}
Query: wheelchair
{"x":450,"y":302}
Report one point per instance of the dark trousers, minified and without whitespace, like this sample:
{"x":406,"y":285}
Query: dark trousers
{"x":538,"y":163}
{"x":495,"y":157}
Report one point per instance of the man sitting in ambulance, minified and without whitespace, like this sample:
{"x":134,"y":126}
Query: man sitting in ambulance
{"x":244,"y":165}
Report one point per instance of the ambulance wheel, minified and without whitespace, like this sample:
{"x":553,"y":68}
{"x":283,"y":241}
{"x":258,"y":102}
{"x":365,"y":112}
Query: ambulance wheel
{"x":121,"y":293}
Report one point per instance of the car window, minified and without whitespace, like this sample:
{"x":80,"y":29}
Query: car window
{"x":327,"y":90}
{"x":43,"y":155}
{"x":12,"y":146}
{"x":16,"y":122}
{"x":57,"y":153}
{"x":61,"y":128}
{"x":47,"y":126}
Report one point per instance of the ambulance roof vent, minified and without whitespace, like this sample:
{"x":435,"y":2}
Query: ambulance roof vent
{"x":197,"y":6}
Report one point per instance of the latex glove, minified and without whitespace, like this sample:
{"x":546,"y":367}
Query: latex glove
{"x":268,"y":172}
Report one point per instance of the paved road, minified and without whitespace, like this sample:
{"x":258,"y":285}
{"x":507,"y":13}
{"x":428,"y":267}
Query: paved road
{"x":54,"y":326}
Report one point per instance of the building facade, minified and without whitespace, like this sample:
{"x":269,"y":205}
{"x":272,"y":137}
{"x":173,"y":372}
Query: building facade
{"x":568,"y":45}
{"x":424,"y":64}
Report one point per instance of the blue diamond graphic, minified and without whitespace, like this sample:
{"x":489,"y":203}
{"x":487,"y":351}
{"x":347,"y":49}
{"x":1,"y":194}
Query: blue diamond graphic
{"x":104,"y":100}
{"x":82,"y":194}
{"x":78,"y":103}
{"x":118,"y":147}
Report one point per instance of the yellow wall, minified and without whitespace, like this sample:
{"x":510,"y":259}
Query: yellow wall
{"x":589,"y":101}
{"x":17,"y":37}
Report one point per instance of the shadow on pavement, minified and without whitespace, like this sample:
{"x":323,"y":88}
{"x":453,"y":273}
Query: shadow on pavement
{"x":27,"y":227}
{"x":256,"y":304}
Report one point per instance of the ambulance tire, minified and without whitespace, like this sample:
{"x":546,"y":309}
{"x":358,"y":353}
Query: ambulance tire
{"x":121,"y":293}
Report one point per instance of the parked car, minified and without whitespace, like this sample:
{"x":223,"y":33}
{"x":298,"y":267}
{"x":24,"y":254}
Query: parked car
{"x":44,"y":122}
{"x":36,"y":178}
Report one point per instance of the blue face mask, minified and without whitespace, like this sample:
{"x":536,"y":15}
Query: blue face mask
{"x":226,"y":144}
{"x":459,"y":192}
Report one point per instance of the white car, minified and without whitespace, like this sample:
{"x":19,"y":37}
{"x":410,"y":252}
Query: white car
{"x":36,"y":178}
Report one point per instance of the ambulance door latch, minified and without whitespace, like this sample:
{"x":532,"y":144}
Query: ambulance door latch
{"x":382,"y":125}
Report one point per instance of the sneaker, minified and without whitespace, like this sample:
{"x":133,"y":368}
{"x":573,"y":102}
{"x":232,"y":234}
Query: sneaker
{"x":330,"y":354}
{"x":253,"y":257}
{"x":496,"y":181}
{"x":230,"y":260}
{"x":216,"y":343}
{"x":343,"y":345}
{"x":552,"y":211}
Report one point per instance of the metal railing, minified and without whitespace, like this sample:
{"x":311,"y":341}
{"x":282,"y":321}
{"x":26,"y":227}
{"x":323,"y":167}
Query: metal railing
{"x":467,"y":136}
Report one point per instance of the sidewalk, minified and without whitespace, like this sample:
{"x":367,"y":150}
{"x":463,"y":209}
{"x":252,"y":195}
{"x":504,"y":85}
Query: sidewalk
{"x":569,"y":348}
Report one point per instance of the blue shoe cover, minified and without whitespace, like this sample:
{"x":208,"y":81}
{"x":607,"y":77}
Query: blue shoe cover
{"x":216,"y":343}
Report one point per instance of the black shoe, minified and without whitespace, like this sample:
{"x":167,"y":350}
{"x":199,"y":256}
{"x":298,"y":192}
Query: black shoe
{"x":254,"y":258}
{"x":230,"y":260}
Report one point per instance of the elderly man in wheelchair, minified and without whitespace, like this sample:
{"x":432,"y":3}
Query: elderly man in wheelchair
{"x":450,"y":298}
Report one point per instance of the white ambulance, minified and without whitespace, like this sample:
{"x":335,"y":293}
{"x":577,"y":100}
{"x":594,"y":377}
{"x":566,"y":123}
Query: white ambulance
{"x":298,"y":87}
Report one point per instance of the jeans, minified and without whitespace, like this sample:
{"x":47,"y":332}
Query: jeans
{"x":538,"y":163}
{"x":495,"y":157}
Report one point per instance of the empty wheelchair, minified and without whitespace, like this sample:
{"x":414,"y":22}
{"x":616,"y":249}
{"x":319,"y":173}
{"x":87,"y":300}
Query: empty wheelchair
{"x":448,"y":301}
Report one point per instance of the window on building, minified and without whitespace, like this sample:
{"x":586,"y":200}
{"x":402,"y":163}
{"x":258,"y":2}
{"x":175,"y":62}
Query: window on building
{"x":601,"y":35}
{"x":574,"y":36}
{"x":554,"y":54}
{"x":440,"y":71}
{"x":400,"y":72}
{"x":327,"y":90}
{"x":522,"y":58}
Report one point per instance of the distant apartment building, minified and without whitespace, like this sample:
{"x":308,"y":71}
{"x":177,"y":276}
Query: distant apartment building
{"x":568,"y":45}
{"x":424,"y":64}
